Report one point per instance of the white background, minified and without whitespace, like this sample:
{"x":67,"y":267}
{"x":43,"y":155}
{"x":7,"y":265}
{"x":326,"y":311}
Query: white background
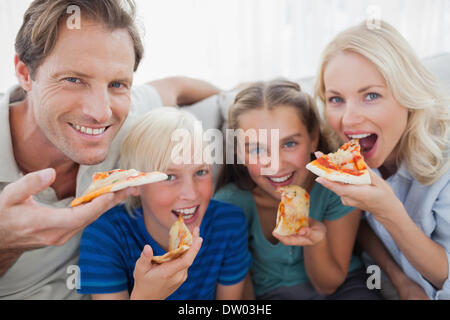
{"x":231,"y":41}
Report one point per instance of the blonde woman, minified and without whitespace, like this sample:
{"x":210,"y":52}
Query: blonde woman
{"x":374,"y":88}
{"x":116,"y":250}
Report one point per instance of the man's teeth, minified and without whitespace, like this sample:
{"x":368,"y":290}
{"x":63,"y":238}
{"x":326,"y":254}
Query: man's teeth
{"x":90,"y":131}
{"x":281,"y":179}
{"x":359,"y":136}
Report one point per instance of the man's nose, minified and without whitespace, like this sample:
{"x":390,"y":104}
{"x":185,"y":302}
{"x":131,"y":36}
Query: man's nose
{"x":98,"y":105}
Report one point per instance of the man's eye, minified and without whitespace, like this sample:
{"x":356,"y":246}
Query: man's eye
{"x":372,"y":96}
{"x":73,"y":79}
{"x":116,"y":85}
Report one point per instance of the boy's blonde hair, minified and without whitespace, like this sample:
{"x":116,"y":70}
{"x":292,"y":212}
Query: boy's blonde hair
{"x":424,"y":146}
{"x":150,"y":143}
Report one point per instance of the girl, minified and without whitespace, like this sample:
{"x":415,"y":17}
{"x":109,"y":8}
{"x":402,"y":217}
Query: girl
{"x":111,"y":245}
{"x":374,"y":88}
{"x":316,"y":263}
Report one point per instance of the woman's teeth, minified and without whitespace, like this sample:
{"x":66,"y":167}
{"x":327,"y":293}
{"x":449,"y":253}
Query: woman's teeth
{"x":281,"y":179}
{"x":186,"y":213}
{"x":359,"y":136}
{"x":87,"y":130}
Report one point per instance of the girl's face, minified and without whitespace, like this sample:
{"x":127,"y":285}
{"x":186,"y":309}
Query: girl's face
{"x":360,"y":105}
{"x":186,"y":192}
{"x":295,"y":146}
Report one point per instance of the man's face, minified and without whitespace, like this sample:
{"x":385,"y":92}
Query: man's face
{"x":81,"y":92}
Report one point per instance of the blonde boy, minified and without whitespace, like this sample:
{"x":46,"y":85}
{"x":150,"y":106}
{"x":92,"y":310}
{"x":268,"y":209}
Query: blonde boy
{"x":116,"y":250}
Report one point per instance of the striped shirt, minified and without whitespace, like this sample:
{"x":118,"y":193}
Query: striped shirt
{"x":111,"y":246}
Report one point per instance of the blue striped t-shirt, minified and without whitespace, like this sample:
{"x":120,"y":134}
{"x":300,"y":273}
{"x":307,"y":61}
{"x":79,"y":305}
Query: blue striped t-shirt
{"x":111,"y":246}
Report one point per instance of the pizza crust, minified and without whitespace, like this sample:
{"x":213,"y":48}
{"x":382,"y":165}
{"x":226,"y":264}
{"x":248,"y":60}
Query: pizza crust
{"x":339,"y":176}
{"x":115,"y":180}
{"x":340,"y":165}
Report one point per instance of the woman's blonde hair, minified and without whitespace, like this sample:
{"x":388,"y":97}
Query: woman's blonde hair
{"x":424,"y":146}
{"x":150,"y":143}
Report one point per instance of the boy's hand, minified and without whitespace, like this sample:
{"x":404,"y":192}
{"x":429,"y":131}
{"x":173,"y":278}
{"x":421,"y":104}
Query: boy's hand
{"x":158,"y":281}
{"x":306,"y":236}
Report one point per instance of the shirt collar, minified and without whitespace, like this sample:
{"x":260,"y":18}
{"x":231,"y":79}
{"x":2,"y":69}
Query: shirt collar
{"x":9,"y":170}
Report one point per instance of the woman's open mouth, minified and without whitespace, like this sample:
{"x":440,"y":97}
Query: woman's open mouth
{"x":367,"y":141}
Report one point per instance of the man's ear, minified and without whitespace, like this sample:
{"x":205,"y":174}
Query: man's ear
{"x":23,"y":74}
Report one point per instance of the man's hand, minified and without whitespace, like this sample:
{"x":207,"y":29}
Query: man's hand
{"x":153,"y":281}
{"x":306,"y":236}
{"x":26,"y":225}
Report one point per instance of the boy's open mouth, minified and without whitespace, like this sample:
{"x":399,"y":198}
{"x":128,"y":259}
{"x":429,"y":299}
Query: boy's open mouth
{"x":186,"y":213}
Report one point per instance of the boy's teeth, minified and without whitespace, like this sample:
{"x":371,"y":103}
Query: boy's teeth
{"x":189,"y":212}
{"x":282,"y":179}
{"x":90,"y":131}
{"x":359,"y":136}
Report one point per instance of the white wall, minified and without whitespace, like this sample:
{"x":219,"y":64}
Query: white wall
{"x":232,"y":41}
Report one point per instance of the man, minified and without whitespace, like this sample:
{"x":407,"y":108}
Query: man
{"x":65,"y":121}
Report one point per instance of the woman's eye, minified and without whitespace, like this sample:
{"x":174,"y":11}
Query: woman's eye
{"x":290,"y":144}
{"x":335,"y":100}
{"x":170,"y":177}
{"x":372,"y":96}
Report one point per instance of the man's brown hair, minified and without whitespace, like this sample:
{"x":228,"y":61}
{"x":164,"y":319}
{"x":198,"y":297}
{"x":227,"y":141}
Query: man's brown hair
{"x":39,"y":31}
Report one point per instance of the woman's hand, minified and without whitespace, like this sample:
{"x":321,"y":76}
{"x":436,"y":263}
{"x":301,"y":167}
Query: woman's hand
{"x":306,"y":236}
{"x":158,"y":281}
{"x":378,"y":198}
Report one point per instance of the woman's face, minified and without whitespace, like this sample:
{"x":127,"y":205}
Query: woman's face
{"x":294,"y":146}
{"x":186,"y":192}
{"x":360,"y":105}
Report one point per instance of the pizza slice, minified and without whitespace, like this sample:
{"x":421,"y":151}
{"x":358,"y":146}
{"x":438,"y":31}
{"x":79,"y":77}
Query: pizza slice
{"x":115,"y":180}
{"x":180,"y":239}
{"x":345,"y":165}
{"x":293,"y":210}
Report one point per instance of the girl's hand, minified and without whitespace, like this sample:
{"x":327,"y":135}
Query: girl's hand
{"x":158,"y":281}
{"x":378,"y":198}
{"x":306,"y":236}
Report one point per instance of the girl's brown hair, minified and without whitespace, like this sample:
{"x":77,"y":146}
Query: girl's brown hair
{"x":267,"y":96}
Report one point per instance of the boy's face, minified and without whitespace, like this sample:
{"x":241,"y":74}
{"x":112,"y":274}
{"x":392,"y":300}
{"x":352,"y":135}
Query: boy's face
{"x":186,"y":192}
